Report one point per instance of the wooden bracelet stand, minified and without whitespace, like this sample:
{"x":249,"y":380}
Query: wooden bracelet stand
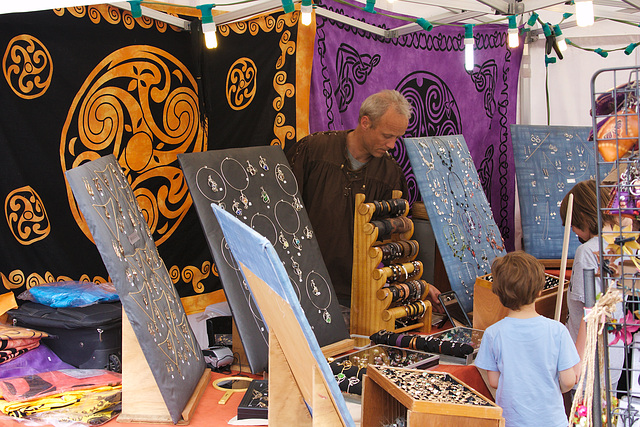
{"x":142,"y":401}
{"x":371,"y":308}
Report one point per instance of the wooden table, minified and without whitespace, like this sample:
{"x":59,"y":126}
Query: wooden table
{"x":209,"y":413}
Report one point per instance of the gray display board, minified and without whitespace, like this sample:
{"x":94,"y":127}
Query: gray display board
{"x":257,"y":186}
{"x":465,"y":231}
{"x":149,"y":299}
{"x":549,"y":160}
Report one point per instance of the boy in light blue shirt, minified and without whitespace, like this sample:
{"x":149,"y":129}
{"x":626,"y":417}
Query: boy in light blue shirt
{"x":529,"y":358}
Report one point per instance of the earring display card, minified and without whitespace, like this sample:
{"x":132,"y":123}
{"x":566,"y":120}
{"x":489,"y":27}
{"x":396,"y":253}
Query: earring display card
{"x":150,"y":300}
{"x":549,"y":161}
{"x":257,"y":186}
{"x":466,"y":233}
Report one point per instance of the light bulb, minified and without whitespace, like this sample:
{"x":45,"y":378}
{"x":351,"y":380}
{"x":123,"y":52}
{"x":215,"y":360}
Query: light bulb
{"x":210,"y":39}
{"x":468,"y":54}
{"x":306,"y":14}
{"x":584,"y":13}
{"x":512,"y":33}
{"x":513,"y":39}
{"x":561,"y":42}
{"x":468,"y":47}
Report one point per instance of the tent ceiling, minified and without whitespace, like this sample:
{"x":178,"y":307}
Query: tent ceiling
{"x":435,"y":11}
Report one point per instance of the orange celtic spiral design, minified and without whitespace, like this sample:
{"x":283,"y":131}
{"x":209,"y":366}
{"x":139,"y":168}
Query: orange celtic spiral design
{"x":141,"y":105}
{"x":27,"y":66}
{"x":242,"y":79}
{"x":26,"y":215}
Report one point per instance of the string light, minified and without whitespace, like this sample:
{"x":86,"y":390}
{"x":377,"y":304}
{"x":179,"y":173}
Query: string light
{"x":288,"y":6}
{"x":136,"y":10}
{"x":532,"y":19}
{"x":208,"y":26}
{"x":369,"y":6}
{"x":584,"y":13}
{"x":468,"y":47}
{"x":512,"y":37}
{"x":601,"y":52}
{"x":562,"y":44}
{"x":426,"y":25}
{"x":630,"y":48}
{"x":305,"y":10}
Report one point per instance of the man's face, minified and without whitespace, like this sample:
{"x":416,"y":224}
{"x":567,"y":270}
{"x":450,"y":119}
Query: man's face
{"x":381,"y":137}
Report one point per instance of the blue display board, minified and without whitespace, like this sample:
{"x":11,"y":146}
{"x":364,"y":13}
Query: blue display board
{"x":466,"y":233}
{"x":549,"y":160}
{"x":257,"y":254}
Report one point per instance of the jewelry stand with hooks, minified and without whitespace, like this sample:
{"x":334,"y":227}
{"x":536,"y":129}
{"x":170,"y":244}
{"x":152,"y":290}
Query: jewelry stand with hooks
{"x":163,"y":370}
{"x":372,"y":308}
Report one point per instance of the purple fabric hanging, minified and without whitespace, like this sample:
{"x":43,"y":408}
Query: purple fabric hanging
{"x":428,"y":68}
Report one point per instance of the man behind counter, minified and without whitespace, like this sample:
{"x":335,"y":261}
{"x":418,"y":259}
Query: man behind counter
{"x":332,"y":167}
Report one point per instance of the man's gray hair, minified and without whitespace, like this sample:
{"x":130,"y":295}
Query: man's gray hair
{"x":377,"y":104}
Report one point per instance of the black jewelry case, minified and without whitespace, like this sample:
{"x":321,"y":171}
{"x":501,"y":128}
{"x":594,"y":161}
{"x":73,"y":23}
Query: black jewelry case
{"x":255,"y":402}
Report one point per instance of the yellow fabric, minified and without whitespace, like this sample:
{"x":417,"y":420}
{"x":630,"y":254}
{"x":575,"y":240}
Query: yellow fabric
{"x":7,"y":302}
{"x":304,"y":61}
{"x":56,"y":401}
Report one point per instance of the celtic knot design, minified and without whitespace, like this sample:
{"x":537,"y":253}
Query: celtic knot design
{"x":27,"y":66}
{"x":435,"y":113}
{"x":26,"y":215}
{"x":242,"y":79}
{"x":351,"y":66}
{"x":485,"y":82}
{"x":141,"y":105}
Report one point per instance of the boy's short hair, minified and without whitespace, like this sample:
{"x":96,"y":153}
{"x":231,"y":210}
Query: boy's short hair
{"x":518,"y":279}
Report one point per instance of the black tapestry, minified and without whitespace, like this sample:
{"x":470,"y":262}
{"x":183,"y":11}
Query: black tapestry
{"x":80,"y":84}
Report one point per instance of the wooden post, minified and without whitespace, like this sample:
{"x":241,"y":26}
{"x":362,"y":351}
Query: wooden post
{"x":563,"y":261}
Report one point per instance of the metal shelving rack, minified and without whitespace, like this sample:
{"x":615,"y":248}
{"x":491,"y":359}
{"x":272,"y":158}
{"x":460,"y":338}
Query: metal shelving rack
{"x":619,"y":173}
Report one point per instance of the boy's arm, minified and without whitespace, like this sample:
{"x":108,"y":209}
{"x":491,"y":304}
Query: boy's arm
{"x":567,"y":378}
{"x":493,"y":377}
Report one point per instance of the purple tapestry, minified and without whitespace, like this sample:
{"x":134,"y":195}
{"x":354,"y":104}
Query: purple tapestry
{"x":428,"y":68}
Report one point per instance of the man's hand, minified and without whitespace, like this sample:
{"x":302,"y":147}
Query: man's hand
{"x":432,"y":296}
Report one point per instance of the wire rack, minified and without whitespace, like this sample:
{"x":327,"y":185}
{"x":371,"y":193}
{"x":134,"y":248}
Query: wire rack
{"x":615,"y":118}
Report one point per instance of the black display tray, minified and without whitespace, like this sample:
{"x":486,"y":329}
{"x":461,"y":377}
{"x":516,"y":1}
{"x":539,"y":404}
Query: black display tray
{"x":255,"y":402}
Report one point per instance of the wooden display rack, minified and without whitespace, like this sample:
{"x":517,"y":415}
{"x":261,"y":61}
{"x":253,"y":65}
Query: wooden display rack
{"x":383,"y":401}
{"x":487,"y":308}
{"x":371,"y":309}
{"x":142,"y":401}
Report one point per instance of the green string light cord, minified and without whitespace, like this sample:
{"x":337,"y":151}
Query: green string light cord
{"x":409,"y":19}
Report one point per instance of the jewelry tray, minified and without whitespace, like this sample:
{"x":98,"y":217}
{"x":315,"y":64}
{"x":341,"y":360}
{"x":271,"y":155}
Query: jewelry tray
{"x":386,"y":355}
{"x":391,"y":393}
{"x":462,"y":335}
{"x":255,"y":402}
{"x":350,"y":368}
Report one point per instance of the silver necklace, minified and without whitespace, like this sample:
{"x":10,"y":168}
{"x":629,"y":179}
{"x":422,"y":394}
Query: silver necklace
{"x":313,"y":292}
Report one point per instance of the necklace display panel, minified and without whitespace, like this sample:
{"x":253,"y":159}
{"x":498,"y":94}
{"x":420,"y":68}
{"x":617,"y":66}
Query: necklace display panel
{"x":145,"y":288}
{"x":549,"y":161}
{"x":460,"y":216}
{"x":257,"y":186}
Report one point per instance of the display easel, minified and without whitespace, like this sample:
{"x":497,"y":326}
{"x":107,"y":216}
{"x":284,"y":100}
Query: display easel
{"x":302,"y":388}
{"x":371,"y":308}
{"x":142,"y":401}
{"x":163,"y":367}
